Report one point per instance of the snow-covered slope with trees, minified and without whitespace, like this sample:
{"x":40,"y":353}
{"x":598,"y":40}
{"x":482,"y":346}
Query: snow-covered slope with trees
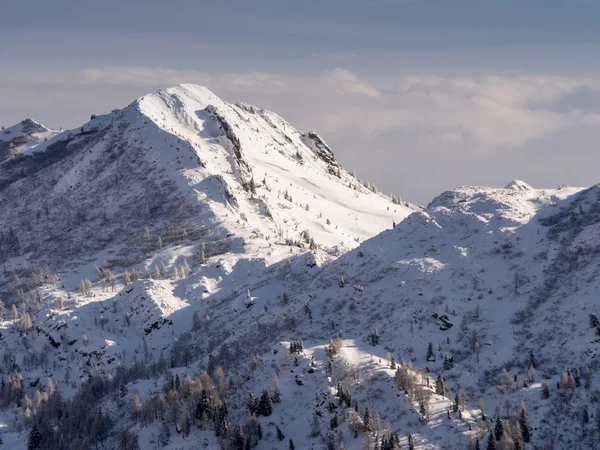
{"x":187,"y":273}
{"x":110,"y":230}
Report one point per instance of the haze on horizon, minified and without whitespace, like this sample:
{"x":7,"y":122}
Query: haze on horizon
{"x":416,"y":96}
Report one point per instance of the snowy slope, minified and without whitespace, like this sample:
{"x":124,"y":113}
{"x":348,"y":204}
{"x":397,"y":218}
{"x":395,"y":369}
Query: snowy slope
{"x":177,"y":178}
{"x":247,"y":145}
{"x":489,"y":277}
{"x":194,"y":198}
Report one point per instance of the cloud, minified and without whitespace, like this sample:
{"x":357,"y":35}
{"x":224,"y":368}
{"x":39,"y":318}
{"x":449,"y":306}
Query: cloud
{"x":416,"y":137}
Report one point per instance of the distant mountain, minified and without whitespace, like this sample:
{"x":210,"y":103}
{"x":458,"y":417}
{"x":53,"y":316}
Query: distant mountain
{"x":22,"y":137}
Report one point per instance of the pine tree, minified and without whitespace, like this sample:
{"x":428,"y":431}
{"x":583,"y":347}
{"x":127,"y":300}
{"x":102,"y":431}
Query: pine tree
{"x":585,"y":417}
{"x":280,"y":434}
{"x":499,"y":428}
{"x":397,"y":440}
{"x":333,"y":424}
{"x":492,"y":442}
{"x":291,"y":446}
{"x":524,"y":424}
{"x":221,"y":423}
{"x":455,"y":405}
{"x":440,"y":387}
{"x":368,"y":420}
{"x":577,"y":377}
{"x":430,"y":354}
{"x":375,"y":337}
{"x":411,"y":442}
{"x":265,"y":405}
{"x":477,"y":444}
{"x":532,"y":361}
{"x":204,"y":406}
{"x":128,"y":440}
{"x":35,"y":438}
{"x":237,"y":438}
{"x":587,"y":377}
{"x":251,"y":403}
{"x":545,"y":390}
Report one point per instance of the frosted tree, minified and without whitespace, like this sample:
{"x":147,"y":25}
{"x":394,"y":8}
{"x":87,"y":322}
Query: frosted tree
{"x":135,"y":408}
{"x":505,"y":378}
{"x":25,"y":324}
{"x":185,"y":269}
{"x":276,"y":390}
{"x":368,"y":420}
{"x":524,"y":423}
{"x":135,"y":274}
{"x":201,"y":254}
{"x":355,"y":423}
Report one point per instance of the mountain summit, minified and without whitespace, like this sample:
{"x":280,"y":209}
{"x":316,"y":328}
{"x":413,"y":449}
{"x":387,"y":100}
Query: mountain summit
{"x":22,"y":137}
{"x":181,"y":160}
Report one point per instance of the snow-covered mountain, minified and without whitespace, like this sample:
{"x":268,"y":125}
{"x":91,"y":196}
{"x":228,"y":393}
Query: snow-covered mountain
{"x":22,"y":138}
{"x":165,"y":261}
{"x":177,"y":185}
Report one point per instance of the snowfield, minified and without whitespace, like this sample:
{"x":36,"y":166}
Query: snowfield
{"x":187,"y":273}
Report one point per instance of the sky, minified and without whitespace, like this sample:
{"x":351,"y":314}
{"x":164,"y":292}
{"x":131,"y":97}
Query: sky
{"x":417,"y":96}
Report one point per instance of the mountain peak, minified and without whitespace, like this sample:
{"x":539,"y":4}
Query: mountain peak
{"x":26,"y":127}
{"x":518,"y":185}
{"x":23,"y":137}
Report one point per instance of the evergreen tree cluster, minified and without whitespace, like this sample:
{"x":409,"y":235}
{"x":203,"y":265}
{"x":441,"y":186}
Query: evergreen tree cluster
{"x":296,"y":347}
{"x":390,"y":441}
